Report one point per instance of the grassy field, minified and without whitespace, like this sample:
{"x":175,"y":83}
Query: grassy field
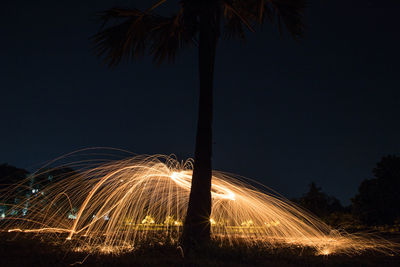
{"x":17,"y":249}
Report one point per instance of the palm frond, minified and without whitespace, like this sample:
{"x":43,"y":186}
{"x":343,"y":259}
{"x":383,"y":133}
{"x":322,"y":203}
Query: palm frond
{"x":136,"y":32}
{"x":233,"y":28}
{"x":170,"y":36}
{"x":252,"y":12}
{"x":126,"y":39}
{"x":291,"y":13}
{"x":238,"y":10}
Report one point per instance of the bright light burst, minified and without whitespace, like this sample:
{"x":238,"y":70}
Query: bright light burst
{"x":120,"y":204}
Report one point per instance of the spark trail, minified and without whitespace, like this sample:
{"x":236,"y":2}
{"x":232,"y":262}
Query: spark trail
{"x":120,"y":204}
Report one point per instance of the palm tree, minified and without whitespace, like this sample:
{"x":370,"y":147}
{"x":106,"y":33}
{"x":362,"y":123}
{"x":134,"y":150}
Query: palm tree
{"x":197,"y":23}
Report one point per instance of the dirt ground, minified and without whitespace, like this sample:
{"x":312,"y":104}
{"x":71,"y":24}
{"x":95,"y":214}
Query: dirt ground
{"x":28,"y":250}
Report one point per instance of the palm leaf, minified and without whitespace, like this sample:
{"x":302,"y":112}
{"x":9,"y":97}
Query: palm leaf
{"x":170,"y":36}
{"x":291,"y":13}
{"x":136,"y":32}
{"x":252,"y":12}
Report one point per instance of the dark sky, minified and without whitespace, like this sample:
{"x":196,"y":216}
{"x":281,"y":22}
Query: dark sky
{"x":286,"y":113}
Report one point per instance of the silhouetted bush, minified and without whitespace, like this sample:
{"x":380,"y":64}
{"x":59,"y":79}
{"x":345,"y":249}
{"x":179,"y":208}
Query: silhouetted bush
{"x":378,"y":199}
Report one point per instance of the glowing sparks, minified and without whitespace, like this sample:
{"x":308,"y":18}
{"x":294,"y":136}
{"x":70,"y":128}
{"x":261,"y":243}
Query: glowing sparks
{"x":148,"y":220}
{"x":114,"y":206}
{"x":325,"y":252}
{"x":184,"y":180}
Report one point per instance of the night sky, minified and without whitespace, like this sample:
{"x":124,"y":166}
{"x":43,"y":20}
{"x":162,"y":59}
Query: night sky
{"x":325,"y":109}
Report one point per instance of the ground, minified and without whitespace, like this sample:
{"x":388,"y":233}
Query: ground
{"x":17,"y":249}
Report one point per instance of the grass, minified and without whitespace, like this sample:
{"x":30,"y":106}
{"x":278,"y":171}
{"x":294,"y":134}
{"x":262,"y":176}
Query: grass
{"x":19,"y":249}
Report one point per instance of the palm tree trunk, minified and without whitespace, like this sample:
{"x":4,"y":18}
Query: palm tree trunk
{"x":197,"y":223}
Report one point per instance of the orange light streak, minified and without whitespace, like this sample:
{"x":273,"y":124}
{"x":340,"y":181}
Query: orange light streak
{"x":119,"y":204}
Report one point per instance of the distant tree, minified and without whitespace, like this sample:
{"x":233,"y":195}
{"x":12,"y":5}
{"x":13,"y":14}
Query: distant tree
{"x":378,"y":199}
{"x":319,"y":203}
{"x":10,"y":175}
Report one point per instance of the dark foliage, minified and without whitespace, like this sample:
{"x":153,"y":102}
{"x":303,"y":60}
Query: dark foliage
{"x":328,"y":208}
{"x":10,"y":175}
{"x":377,"y":201}
{"x":319,"y":203}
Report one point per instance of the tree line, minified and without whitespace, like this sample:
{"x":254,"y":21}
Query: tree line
{"x":375,"y":204}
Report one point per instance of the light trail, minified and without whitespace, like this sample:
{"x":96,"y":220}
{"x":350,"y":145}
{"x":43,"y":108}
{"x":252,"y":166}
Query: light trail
{"x":124,"y":203}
